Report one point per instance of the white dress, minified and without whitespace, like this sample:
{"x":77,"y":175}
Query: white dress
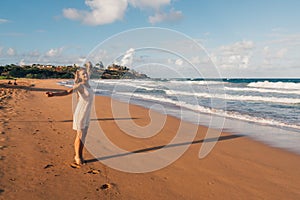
{"x":81,"y":115}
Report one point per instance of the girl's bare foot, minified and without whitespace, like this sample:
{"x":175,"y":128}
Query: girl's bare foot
{"x":78,"y":160}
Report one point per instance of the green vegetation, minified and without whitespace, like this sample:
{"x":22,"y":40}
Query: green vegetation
{"x":38,"y":71}
{"x":3,"y":77}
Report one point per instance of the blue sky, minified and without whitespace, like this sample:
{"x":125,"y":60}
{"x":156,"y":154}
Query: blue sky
{"x":257,"y":38}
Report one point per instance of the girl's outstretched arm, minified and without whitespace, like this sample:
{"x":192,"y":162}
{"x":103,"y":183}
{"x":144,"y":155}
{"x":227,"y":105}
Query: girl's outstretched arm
{"x":62,"y":93}
{"x":65,"y":92}
{"x":77,"y":86}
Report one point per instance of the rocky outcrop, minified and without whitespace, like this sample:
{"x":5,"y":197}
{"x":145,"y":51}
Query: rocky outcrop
{"x":121,"y":72}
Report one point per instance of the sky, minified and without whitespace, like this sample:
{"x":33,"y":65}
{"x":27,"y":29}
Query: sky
{"x":257,"y":38}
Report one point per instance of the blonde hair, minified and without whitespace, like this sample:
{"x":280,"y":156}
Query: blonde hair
{"x":78,"y":80}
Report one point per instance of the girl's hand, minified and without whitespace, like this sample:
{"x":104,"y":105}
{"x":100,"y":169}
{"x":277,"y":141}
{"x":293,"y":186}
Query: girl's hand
{"x":76,"y":76}
{"x":88,"y":66}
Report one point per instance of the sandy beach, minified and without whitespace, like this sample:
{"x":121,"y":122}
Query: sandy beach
{"x":36,"y":150}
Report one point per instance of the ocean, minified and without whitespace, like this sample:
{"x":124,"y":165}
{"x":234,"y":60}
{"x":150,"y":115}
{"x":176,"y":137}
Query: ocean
{"x":267,"y":110}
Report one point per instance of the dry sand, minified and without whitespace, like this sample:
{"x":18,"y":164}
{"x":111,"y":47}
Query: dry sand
{"x":36,"y":149}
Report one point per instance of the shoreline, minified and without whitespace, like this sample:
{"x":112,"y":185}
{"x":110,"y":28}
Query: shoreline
{"x":38,"y":147}
{"x":269,"y":131}
{"x":246,"y":131}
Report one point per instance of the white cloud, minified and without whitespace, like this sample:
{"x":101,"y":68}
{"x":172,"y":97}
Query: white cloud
{"x":275,"y":55}
{"x":55,"y":56}
{"x":234,"y":56}
{"x":233,"y":62}
{"x":272,"y":58}
{"x":72,"y":13}
{"x":54,"y":52}
{"x":22,"y":62}
{"x":155,"y":4}
{"x":34,"y":53}
{"x":172,"y":61}
{"x":100,"y":55}
{"x":101,"y":12}
{"x":127,"y":58}
{"x":238,"y":47}
{"x":11,"y":52}
{"x":179,"y":62}
{"x":2,"y":21}
{"x":172,"y":16}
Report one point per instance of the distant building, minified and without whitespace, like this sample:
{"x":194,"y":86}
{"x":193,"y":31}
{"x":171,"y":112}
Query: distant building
{"x":115,"y":67}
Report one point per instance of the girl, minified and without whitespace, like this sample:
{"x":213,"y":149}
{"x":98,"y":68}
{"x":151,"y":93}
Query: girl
{"x":81,"y":115}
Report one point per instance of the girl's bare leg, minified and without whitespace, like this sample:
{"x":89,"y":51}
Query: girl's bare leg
{"x":79,"y":144}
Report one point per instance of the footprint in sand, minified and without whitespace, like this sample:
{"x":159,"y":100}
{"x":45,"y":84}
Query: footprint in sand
{"x":75,"y":166}
{"x":3,"y":147}
{"x":35,"y":132}
{"x":93,"y":171}
{"x":48,"y":166}
{"x":107,"y":186}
